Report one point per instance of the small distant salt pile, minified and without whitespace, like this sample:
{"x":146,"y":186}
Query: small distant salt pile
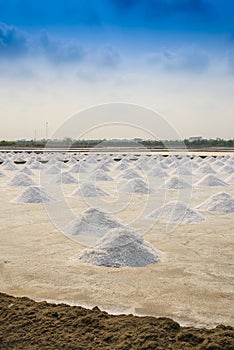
{"x":2,"y":174}
{"x":121,"y":247}
{"x":52,"y":170}
{"x":176,"y":183}
{"x":130,"y":174}
{"x":21,"y":179}
{"x":33,"y":195}
{"x":177,"y":211}
{"x":93,"y":222}
{"x":89,"y":189}
{"x":100,"y":175}
{"x":219,"y":202}
{"x":230,"y":179}
{"x":9,"y":165}
{"x":103,"y":166}
{"x":123,"y":165}
{"x":78,"y":168}
{"x":64,"y":178}
{"x":227,"y":169}
{"x":137,"y":186}
{"x":35,"y":165}
{"x":181,"y":170}
{"x":26,"y":170}
{"x":205,"y":169}
{"x":157,"y":172}
{"x":211,"y":180}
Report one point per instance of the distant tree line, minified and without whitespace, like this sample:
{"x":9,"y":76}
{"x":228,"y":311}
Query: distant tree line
{"x":68,"y":142}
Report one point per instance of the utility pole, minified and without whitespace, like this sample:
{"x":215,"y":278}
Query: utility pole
{"x":46,"y":131}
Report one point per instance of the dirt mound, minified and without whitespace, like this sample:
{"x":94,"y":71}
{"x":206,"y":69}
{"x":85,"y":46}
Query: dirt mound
{"x":25,"y":324}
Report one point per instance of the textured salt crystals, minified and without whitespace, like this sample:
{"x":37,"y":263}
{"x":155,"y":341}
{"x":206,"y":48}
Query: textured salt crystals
{"x":100,"y":175}
{"x":177,"y":211}
{"x":137,"y":186}
{"x":211,"y":180}
{"x":89,"y":189}
{"x":93,"y":222}
{"x":219,"y":202}
{"x":33,"y":195}
{"x":121,"y":247}
{"x":176,"y":183}
{"x":21,"y":179}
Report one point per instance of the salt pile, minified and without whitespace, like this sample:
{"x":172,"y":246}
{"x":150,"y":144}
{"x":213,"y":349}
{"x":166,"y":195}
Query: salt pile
{"x":137,"y":186}
{"x":93,"y":222}
{"x":34,"y":195}
{"x":176,"y":183}
{"x":121,"y":247}
{"x":100,"y":175}
{"x":181,"y":170}
{"x":220,"y":202}
{"x":1,"y":174}
{"x":78,"y":168}
{"x":35,"y":165}
{"x":9,"y":165}
{"x":205,"y":169}
{"x":130,"y":174}
{"x":53,"y":170}
{"x":64,"y":178}
{"x":89,"y":189}
{"x":158,"y":172}
{"x":211,"y":180}
{"x":177,"y":211}
{"x":21,"y":179}
{"x":230,"y":179}
{"x":26,"y":170}
{"x":227,"y":169}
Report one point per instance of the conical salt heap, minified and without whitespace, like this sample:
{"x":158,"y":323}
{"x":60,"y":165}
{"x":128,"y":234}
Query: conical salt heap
{"x":211,"y":180}
{"x":89,"y":189}
{"x":177,"y":211}
{"x":176,"y":183}
{"x":100,"y":175}
{"x":33,"y":195}
{"x":137,"y":186}
{"x":93,"y":222}
{"x":221,"y":202}
{"x":64,"y":178}
{"x":21,"y":179}
{"x":121,"y":247}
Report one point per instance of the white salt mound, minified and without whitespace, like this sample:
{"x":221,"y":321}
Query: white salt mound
{"x":26,"y":170}
{"x":221,"y":202}
{"x":93,"y":222}
{"x":158,"y":172}
{"x":177,"y":211}
{"x":34,"y":195}
{"x":78,"y":168}
{"x":100,"y":175}
{"x":230,"y":179}
{"x":130,"y":174}
{"x":176,"y":183}
{"x":1,"y":174}
{"x":89,"y":189}
{"x":64,"y":178}
{"x":21,"y":179}
{"x":211,"y":180}
{"x":121,"y":247}
{"x":136,"y":186}
{"x":9,"y":165}
{"x":205,"y":169}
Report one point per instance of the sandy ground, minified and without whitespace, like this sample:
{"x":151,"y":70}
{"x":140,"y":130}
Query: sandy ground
{"x":193,"y":284}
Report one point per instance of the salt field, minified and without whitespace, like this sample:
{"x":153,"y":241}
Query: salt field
{"x":147,"y":234}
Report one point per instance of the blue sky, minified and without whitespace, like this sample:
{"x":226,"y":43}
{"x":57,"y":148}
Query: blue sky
{"x":175,"y":56}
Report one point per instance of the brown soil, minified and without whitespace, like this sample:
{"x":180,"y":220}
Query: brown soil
{"x":28,"y":325}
